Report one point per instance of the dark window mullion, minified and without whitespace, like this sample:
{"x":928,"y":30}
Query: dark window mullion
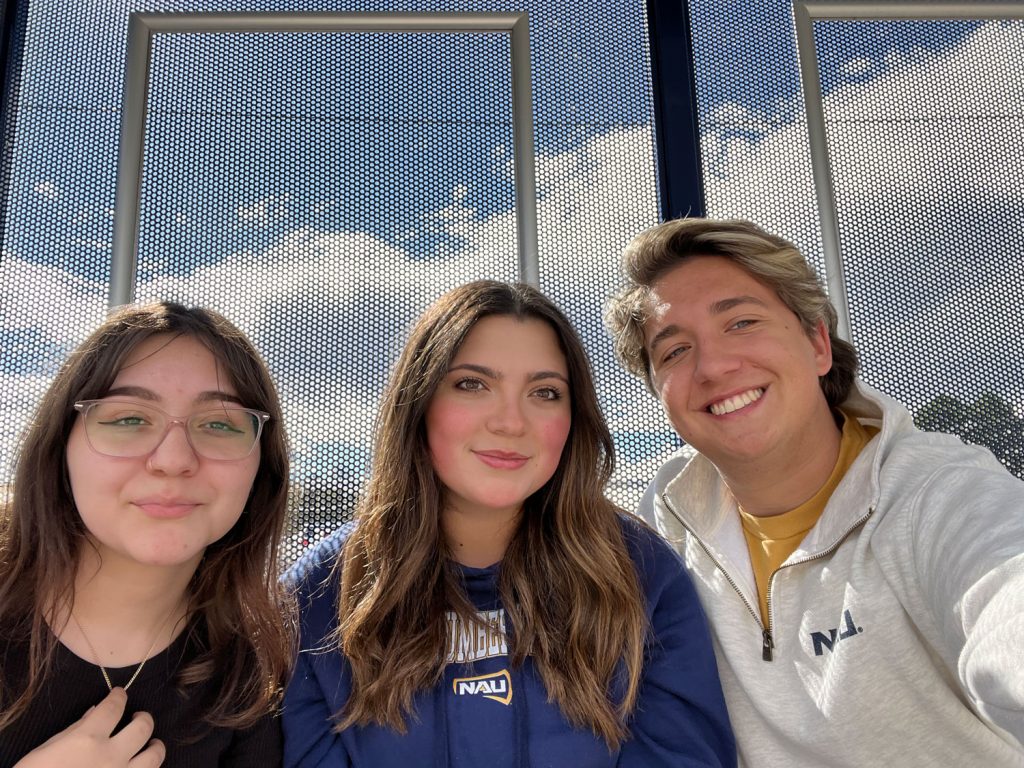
{"x":677,"y":136}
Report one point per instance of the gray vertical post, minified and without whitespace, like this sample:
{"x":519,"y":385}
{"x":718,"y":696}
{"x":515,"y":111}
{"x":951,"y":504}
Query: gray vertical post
{"x":526,"y":183}
{"x":821,"y":167}
{"x":129,"y":165}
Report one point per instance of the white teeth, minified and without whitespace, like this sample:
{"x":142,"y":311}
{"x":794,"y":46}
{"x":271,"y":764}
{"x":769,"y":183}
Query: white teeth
{"x":736,"y":402}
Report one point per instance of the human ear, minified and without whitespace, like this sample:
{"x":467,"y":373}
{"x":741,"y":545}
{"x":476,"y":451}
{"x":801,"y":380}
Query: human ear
{"x":821,"y":343}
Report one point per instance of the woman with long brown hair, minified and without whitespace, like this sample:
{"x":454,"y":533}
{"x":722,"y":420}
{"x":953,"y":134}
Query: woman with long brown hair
{"x":140,"y":618}
{"x":490,"y":606}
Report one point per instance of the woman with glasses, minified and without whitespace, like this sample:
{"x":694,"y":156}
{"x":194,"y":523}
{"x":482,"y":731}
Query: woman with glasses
{"x":491,"y":607}
{"x":140,"y":619}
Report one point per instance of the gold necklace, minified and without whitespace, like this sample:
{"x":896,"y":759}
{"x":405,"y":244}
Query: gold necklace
{"x":138,"y":669}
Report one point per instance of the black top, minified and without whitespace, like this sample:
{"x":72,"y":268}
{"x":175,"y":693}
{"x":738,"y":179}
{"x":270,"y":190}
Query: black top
{"x":74,"y":685}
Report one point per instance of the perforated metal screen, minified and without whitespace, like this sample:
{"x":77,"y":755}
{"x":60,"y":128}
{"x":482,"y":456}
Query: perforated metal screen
{"x":753,"y":134}
{"x":925,"y":127}
{"x":321,"y":189}
{"x":929,"y":183}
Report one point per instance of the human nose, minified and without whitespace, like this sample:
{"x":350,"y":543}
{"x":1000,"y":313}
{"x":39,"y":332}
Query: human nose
{"x":713,"y":359}
{"x":507,"y":416}
{"x":174,"y":454}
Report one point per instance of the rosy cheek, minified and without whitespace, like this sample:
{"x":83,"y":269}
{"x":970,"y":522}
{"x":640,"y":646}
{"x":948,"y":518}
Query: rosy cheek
{"x":441,"y":460}
{"x":443,"y":428}
{"x":554,"y":435}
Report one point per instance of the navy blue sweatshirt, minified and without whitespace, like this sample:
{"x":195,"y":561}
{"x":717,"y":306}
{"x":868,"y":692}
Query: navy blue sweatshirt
{"x":485,"y":712}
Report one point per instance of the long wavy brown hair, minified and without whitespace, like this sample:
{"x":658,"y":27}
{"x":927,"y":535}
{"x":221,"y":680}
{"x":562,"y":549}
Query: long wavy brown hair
{"x":567,"y":582}
{"x":239,"y":616}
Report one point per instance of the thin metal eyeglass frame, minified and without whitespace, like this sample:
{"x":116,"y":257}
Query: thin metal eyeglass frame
{"x":84,"y":406}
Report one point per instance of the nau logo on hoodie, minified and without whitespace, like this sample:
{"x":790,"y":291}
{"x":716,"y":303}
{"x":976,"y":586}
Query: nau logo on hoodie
{"x":496,"y":686}
{"x":847,"y":628}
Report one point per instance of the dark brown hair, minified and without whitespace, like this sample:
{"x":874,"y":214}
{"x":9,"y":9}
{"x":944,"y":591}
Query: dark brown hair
{"x":769,"y":259}
{"x":239,"y":615}
{"x":567,"y":581}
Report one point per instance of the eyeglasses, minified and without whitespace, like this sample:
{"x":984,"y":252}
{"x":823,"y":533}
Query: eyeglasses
{"x":126,"y":429}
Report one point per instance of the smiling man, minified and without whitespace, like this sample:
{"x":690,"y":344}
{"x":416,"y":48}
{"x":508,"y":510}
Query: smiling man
{"x":864,"y":580}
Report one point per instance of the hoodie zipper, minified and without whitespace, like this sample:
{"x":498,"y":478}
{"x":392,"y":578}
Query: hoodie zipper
{"x":767,"y":643}
{"x":766,"y":637}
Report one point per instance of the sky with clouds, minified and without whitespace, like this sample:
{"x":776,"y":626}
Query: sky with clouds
{"x":903,"y":208}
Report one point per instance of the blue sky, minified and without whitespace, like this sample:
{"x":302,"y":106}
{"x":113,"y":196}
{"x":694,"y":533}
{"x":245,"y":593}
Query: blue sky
{"x":272,"y":220}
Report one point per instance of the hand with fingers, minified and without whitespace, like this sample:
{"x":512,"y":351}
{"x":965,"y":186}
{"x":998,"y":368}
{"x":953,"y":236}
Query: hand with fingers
{"x":91,"y":743}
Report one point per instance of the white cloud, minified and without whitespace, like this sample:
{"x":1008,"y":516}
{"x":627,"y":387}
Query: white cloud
{"x":19,"y":396}
{"x":978,"y":79}
{"x":453,"y":215}
{"x":743,"y":118}
{"x":344,"y":283}
{"x":46,"y":189}
{"x":51,"y":311}
{"x":57,"y":305}
{"x":330,"y":312}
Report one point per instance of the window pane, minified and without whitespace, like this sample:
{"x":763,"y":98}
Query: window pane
{"x":320,"y":189}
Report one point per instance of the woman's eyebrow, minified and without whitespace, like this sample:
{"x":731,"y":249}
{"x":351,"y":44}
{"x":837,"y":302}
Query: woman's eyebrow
{"x":548,"y":375}
{"x":483,"y":370}
{"x":147,"y":394}
{"x":131,"y":391}
{"x":217,"y":395}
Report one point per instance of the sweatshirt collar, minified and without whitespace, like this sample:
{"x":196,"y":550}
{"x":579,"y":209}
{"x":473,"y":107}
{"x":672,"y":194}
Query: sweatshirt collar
{"x":699,"y":495}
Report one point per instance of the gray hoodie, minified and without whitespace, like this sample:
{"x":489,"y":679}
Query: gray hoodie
{"x":896,"y":631}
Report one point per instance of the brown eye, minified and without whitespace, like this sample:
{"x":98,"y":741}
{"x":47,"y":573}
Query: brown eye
{"x":470,"y":385}
{"x":548,"y":393}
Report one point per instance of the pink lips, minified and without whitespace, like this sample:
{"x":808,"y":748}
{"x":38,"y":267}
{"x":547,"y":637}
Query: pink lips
{"x":502,"y":459}
{"x":166,"y":510}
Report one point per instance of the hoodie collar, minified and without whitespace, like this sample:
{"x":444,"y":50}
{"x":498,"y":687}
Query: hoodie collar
{"x":700,"y":497}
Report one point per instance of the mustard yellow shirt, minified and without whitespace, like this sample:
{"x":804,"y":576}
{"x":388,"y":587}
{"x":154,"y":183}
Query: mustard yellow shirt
{"x":773,"y":539}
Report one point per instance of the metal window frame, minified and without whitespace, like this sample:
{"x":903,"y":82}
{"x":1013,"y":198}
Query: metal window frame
{"x":805,"y":13}
{"x":142,"y":26}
